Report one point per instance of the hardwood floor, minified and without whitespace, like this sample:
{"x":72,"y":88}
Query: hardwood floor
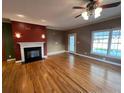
{"x":64,"y":73}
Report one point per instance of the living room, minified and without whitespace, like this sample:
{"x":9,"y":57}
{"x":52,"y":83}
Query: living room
{"x":61,"y":46}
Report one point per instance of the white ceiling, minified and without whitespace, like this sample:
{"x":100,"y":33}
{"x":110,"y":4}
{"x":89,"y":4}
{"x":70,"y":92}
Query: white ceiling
{"x":57,"y":13}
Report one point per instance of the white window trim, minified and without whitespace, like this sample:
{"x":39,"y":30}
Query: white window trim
{"x":109,"y":43}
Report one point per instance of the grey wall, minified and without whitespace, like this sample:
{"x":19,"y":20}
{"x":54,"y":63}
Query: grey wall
{"x":55,"y":41}
{"x":83,"y":45}
{"x":8,"y":40}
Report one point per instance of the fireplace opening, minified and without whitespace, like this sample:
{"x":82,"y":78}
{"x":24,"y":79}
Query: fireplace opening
{"x":32,"y":54}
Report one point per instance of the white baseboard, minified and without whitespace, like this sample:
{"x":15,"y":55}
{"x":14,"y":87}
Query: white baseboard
{"x":106,"y":61}
{"x":19,"y":61}
{"x":63,"y":51}
{"x":12,"y":59}
{"x":55,"y":53}
{"x":66,"y":51}
{"x":44,"y":56}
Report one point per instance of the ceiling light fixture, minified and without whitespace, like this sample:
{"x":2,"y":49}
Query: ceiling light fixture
{"x":20,"y":15}
{"x":85,"y":15}
{"x":94,"y":8}
{"x":43,"y":20}
{"x":98,"y":11}
{"x":43,"y":36}
{"x":17,"y":35}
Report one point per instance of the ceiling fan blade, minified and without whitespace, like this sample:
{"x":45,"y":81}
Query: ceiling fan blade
{"x":77,"y":16}
{"x":111,"y":5}
{"x":78,"y":7}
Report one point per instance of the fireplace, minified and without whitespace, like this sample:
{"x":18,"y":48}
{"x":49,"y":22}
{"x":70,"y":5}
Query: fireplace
{"x":32,"y":54}
{"x":31,"y":51}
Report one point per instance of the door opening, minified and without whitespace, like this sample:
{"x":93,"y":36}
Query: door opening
{"x":72,"y":43}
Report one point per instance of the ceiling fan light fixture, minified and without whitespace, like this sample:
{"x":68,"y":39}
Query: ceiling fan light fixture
{"x":94,"y":8}
{"x":97,"y":15}
{"x":20,"y":15}
{"x":98,"y":11}
{"x":85,"y":15}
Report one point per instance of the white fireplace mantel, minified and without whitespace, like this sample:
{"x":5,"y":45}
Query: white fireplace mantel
{"x":31,"y":44}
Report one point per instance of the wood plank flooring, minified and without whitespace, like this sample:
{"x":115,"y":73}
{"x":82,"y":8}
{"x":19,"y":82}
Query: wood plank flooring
{"x":64,"y":73}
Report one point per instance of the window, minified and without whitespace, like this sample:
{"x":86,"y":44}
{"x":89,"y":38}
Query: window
{"x":100,"y":42}
{"x":107,"y":43}
{"x":115,"y":47}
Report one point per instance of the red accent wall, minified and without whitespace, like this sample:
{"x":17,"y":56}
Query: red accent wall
{"x":29,"y":33}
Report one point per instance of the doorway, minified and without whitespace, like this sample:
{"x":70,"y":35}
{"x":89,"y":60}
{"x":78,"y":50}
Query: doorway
{"x":72,"y":43}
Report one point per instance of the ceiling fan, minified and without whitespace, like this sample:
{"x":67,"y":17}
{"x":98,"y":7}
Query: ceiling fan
{"x":94,"y":8}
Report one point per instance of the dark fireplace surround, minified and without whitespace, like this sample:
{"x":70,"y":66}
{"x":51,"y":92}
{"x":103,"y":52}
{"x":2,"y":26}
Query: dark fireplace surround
{"x":32,"y":54}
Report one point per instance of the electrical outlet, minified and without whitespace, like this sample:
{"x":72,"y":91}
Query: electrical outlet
{"x":57,"y":43}
{"x":85,"y":53}
{"x":54,"y":33}
{"x":78,"y":42}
